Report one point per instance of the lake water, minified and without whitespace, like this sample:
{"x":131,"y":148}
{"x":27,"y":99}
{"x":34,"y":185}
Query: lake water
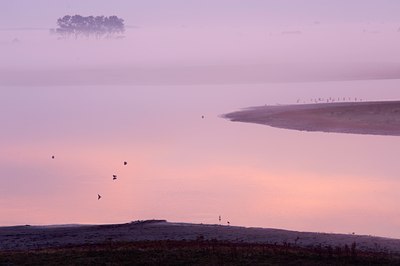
{"x":184,"y":168}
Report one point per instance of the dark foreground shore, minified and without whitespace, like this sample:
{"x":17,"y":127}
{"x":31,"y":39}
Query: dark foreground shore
{"x":163,"y":243}
{"x":371,"y":118}
{"x":198,"y":252}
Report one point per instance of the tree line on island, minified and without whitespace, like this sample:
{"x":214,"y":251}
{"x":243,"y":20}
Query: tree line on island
{"x":90,"y":26}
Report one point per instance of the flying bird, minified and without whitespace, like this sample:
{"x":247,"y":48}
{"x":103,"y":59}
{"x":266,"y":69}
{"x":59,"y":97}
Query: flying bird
{"x":202,"y":116}
{"x":52,"y":157}
{"x":114,"y":177}
{"x":125,"y":163}
{"x":98,"y":196}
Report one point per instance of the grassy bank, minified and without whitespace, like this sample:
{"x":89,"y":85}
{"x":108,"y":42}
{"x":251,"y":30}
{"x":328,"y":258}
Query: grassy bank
{"x":195,"y":253}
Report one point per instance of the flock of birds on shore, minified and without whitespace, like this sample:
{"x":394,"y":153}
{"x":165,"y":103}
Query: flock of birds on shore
{"x":331,"y":100}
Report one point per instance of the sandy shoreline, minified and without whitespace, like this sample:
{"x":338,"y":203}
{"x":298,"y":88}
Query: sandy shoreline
{"x":38,"y":237}
{"x":368,"y":118}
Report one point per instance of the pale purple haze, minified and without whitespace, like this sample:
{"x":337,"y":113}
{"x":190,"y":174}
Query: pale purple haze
{"x":96,"y":103}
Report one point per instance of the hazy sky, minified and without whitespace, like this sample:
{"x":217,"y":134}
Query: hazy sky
{"x":43,"y":13}
{"x":207,"y":32}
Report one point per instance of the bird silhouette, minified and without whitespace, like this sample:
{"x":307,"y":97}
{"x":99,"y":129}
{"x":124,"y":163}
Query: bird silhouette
{"x":52,"y":157}
{"x":229,"y":223}
{"x":125,"y":163}
{"x":114,"y":177}
{"x":98,"y":196}
{"x":202,"y":116}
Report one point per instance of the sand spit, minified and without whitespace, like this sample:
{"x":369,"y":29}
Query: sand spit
{"x":370,"y":118}
{"x":33,"y":237}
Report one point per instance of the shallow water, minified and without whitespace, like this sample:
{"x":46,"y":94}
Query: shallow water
{"x":182,"y":167}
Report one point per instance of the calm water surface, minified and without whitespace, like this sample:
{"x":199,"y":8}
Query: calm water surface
{"x":182,"y":167}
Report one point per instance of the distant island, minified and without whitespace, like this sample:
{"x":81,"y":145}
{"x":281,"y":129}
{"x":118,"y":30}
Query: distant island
{"x":90,"y":26}
{"x":368,"y":118}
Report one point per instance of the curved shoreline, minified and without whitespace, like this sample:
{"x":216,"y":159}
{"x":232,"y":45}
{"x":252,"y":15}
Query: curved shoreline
{"x":367,"y":118}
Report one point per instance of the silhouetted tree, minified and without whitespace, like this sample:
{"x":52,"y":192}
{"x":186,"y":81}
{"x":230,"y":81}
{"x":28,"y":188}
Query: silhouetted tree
{"x":99,"y":26}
